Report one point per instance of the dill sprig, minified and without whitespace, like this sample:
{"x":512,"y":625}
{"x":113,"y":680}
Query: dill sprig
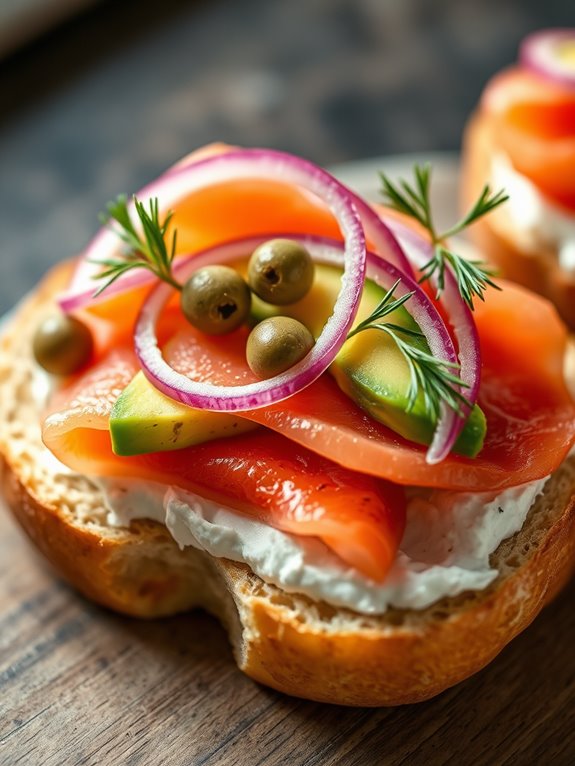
{"x":436,"y":379}
{"x":473,"y":277}
{"x":146,"y":250}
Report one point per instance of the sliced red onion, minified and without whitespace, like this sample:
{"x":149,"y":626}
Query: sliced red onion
{"x":183,"y":180}
{"x":541,"y":52}
{"x":323,"y":250}
{"x":420,"y":251}
{"x":385,"y":244}
{"x":249,"y":164}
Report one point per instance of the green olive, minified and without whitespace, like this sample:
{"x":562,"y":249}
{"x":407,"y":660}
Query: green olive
{"x":62,"y":344}
{"x":276,"y":344}
{"x":216,"y":300}
{"x":280,"y":271}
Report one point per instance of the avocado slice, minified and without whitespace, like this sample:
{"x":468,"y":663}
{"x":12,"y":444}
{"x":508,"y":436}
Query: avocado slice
{"x":145,"y":420}
{"x":370,"y":368}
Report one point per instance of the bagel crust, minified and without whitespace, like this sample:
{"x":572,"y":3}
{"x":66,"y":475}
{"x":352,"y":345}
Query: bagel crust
{"x":285,"y":641}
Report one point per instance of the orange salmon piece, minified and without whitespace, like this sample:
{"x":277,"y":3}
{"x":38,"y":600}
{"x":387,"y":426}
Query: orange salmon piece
{"x":261,"y":474}
{"x":534,"y":122}
{"x":530,"y":414}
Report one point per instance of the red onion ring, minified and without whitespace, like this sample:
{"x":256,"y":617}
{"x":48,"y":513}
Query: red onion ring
{"x":323,"y":250}
{"x":540,"y":53}
{"x":256,"y":163}
{"x":385,"y":244}
{"x":420,"y":251}
{"x":170,"y":188}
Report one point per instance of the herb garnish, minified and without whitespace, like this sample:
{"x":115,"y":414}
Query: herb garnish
{"x":473,"y":277}
{"x":147,"y":250}
{"x":435,"y":378}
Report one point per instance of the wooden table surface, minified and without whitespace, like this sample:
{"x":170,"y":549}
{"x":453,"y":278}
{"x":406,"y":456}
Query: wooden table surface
{"x":101,"y":106}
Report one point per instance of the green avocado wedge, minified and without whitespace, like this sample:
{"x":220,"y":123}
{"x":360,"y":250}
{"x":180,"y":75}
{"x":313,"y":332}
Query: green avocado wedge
{"x":369,"y":368}
{"x":145,"y":420}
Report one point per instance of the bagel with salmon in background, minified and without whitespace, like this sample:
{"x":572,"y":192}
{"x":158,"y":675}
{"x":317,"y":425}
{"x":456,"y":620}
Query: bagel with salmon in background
{"x":360,"y":548}
{"x":522,"y":137}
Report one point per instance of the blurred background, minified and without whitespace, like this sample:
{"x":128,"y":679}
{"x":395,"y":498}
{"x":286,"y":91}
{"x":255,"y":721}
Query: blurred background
{"x":99,"y":97}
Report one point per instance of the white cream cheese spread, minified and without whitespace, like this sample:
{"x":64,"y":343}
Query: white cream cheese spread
{"x":536,"y":221}
{"x":445,"y":551}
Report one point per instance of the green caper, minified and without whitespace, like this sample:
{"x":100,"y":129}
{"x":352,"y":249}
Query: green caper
{"x":280,"y":271}
{"x":62,"y":344}
{"x":216,"y":300}
{"x":276,"y":344}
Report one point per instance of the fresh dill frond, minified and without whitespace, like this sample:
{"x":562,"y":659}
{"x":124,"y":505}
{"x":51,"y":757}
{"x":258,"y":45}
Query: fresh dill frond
{"x":473,"y":277}
{"x":413,"y":200}
{"x":387,"y":304}
{"x":484,"y":205}
{"x":436,"y":379}
{"x":145,"y":250}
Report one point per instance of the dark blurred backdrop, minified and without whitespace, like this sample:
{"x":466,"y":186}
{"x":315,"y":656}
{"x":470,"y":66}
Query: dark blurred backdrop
{"x":106,"y":100}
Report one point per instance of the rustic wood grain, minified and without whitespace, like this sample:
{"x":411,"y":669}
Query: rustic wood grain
{"x":79,"y":685}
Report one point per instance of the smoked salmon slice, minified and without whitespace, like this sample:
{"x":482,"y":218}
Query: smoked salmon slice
{"x":262,"y":475}
{"x":533,"y":122}
{"x":530,"y":414}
